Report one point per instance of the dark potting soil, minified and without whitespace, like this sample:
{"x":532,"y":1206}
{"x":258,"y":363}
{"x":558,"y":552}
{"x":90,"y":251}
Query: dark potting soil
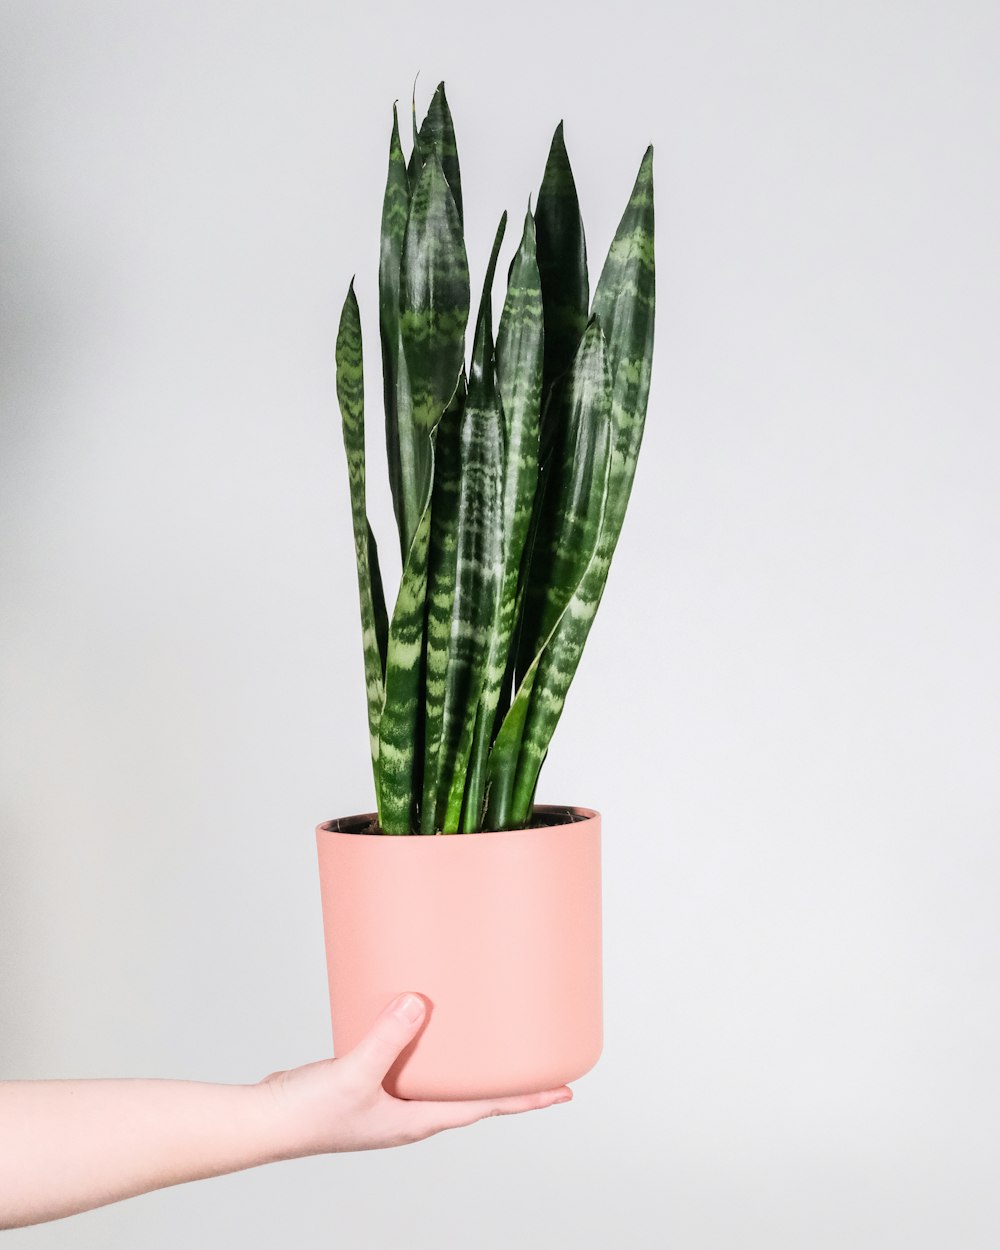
{"x":539,"y":820}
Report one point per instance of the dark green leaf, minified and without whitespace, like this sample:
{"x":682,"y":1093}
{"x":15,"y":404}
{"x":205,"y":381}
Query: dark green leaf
{"x":625,"y":301}
{"x":568,"y":503}
{"x":440,"y":595}
{"x":470,"y":584}
{"x":399,"y":751}
{"x":562,"y":262}
{"x":519,"y":377}
{"x":414,"y":164}
{"x":568,"y":530}
{"x":437,"y":135}
{"x":350,"y":395}
{"x":483,"y":365}
{"x":395,"y":210}
{"x":434,"y":310}
{"x":477,"y":589}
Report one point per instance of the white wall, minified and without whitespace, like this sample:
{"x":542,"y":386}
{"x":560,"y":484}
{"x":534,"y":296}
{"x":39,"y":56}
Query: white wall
{"x":789,"y":708}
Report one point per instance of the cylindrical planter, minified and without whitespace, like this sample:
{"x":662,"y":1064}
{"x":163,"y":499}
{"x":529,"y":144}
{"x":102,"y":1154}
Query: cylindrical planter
{"x":499,"y":932}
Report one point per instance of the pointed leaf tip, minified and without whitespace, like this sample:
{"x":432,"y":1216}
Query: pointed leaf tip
{"x":643,"y":185}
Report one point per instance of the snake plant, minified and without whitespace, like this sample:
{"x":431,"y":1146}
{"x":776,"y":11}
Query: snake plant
{"x":510,"y":477}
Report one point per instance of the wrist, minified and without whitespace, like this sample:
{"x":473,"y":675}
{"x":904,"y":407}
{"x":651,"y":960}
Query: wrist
{"x":280,"y":1127}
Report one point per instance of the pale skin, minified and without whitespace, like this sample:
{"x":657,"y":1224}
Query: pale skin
{"x":69,"y":1146}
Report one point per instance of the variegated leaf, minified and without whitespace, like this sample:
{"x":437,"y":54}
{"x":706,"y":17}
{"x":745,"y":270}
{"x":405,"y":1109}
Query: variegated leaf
{"x":624,"y":302}
{"x":476,"y":575}
{"x":519,"y":350}
{"x":440,"y":596}
{"x":399,"y":754}
{"x":395,"y":210}
{"x":568,"y":531}
{"x":434,"y":310}
{"x":374,"y":628}
{"x":437,"y":135}
{"x":562,"y":262}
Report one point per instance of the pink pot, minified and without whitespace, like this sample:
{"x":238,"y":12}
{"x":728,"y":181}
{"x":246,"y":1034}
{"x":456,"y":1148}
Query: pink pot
{"x":499,"y":932}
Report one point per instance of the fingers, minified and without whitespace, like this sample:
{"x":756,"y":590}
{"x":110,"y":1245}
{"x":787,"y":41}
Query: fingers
{"x":394,"y":1029}
{"x":457,"y":1114}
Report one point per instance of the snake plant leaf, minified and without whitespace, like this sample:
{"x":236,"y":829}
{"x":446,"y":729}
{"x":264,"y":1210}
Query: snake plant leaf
{"x":625,"y":302}
{"x":399,"y":747}
{"x":509,"y":480}
{"x":434,"y":310}
{"x":443,"y":573}
{"x":395,"y":210}
{"x":478,"y":582}
{"x":378,"y":600}
{"x":414,"y":164}
{"x":475,"y":577}
{"x":519,"y":357}
{"x":441,"y":565}
{"x":437,"y":135}
{"x":483,"y":361}
{"x":374,"y":627}
{"x":625,"y":297}
{"x":570,"y":518}
{"x":562,"y":262}
{"x":401,"y":727}
{"x":502,"y":764}
{"x":570,"y":505}
{"x":443,"y":557}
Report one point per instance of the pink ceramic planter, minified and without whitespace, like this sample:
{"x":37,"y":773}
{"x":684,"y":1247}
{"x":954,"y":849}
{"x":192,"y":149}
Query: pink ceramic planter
{"x":499,"y":932}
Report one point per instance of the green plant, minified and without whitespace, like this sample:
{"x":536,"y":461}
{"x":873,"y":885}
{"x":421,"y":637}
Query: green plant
{"x":509,"y":480}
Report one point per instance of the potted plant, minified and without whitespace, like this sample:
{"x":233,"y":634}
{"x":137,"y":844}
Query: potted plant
{"x":510,"y":479}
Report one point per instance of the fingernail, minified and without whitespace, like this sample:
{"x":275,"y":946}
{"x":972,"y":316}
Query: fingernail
{"x":410,"y":1007}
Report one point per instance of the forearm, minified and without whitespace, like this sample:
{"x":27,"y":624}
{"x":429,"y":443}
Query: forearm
{"x":67,"y":1146}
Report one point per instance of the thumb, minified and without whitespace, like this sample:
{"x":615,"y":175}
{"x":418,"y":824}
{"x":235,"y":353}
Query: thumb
{"x":394,"y":1029}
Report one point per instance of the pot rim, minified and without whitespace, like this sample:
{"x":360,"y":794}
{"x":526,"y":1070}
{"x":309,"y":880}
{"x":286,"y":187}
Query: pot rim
{"x":571,"y":814}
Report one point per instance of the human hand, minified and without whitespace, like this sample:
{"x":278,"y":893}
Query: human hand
{"x":339,"y":1104}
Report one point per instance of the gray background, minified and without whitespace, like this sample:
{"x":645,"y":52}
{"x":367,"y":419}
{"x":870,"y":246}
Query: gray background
{"x":788,"y":711}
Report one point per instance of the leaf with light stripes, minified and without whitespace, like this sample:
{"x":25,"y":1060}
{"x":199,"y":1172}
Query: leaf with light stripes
{"x":476,"y":578}
{"x":625,"y":302}
{"x":399,"y":751}
{"x":519,"y":351}
{"x":374,"y":626}
{"x":434,"y":310}
{"x":395,"y":383}
{"x":568,"y":528}
{"x":562,"y":268}
{"x":509,"y":489}
{"x":440,"y":594}
{"x":437,"y":135}
{"x":624,"y":305}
